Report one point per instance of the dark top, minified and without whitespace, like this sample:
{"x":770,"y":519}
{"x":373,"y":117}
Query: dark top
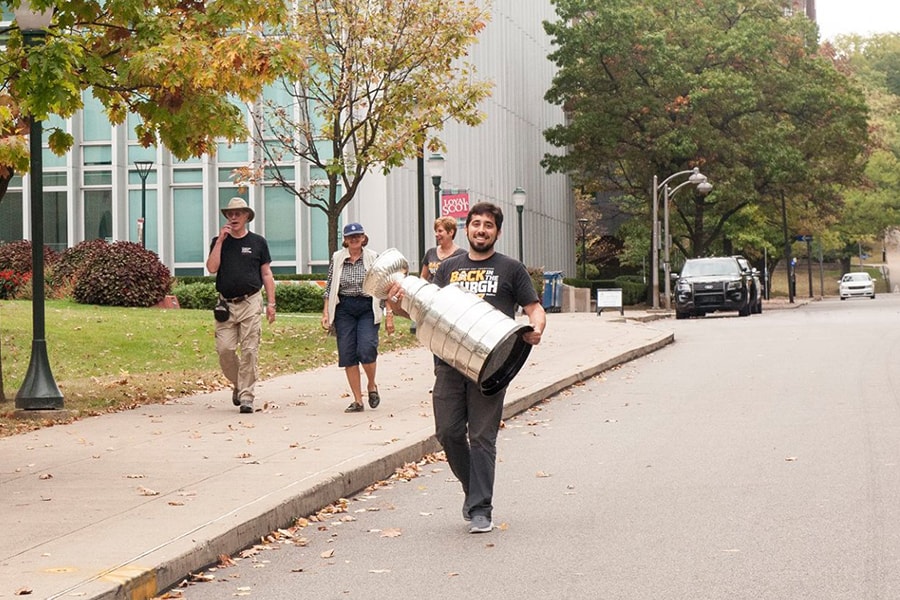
{"x":239,"y":270}
{"x":501,"y":281}
{"x":434,"y":261}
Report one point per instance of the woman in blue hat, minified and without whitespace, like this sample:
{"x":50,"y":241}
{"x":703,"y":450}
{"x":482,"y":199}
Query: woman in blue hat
{"x":354,"y":316}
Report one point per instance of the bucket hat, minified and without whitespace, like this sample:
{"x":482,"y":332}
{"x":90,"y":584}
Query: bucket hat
{"x":239,"y":204}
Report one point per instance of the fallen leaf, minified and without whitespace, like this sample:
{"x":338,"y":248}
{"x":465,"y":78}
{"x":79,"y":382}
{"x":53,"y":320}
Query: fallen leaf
{"x":226,"y":561}
{"x":542,"y":474}
{"x":790,"y":458}
{"x":379,"y":571}
{"x":45,"y":476}
{"x":147,"y":491}
{"x":391,"y":533}
{"x":175,"y":503}
{"x":328,"y":554}
{"x":23,"y":591}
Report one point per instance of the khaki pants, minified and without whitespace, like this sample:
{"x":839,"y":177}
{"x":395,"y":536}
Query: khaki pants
{"x":242,"y":329}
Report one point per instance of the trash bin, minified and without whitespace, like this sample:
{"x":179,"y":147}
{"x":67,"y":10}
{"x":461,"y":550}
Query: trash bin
{"x":552,"y":300}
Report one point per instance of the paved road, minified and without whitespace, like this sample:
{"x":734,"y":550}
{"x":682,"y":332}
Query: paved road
{"x":124,"y":505}
{"x":755,"y":458}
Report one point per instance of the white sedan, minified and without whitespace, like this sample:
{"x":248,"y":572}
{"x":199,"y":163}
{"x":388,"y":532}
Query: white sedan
{"x":857,"y":284}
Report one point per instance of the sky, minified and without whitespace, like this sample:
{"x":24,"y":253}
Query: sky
{"x":838,"y":17}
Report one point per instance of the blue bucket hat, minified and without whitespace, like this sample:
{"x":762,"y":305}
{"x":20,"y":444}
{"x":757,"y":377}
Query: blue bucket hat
{"x":353,"y":229}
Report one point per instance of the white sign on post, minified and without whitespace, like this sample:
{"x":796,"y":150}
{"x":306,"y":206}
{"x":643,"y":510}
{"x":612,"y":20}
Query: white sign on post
{"x":610,"y":298}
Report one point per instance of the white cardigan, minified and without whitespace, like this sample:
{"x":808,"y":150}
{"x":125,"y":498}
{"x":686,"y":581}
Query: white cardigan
{"x":337,"y":261}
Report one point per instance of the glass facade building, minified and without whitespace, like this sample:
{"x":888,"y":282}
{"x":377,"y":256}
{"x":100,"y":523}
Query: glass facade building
{"x":94,"y":192}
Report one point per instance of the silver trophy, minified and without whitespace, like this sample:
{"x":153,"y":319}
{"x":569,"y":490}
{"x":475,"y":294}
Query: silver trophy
{"x":460,"y":328}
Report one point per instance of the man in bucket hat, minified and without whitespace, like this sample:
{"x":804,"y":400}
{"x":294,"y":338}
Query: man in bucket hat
{"x":241,"y":261}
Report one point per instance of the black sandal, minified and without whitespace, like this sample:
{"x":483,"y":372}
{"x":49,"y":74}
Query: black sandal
{"x":374,"y":398}
{"x":354,"y":408}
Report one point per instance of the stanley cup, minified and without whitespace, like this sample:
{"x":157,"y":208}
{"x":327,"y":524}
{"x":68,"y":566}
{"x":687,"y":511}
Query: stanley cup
{"x":460,"y":328}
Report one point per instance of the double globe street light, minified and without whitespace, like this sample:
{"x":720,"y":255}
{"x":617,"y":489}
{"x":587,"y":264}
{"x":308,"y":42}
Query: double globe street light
{"x":695,"y":177}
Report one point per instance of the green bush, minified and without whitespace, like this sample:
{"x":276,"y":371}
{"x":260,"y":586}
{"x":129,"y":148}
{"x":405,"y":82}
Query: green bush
{"x":200,"y":295}
{"x":125,"y":274}
{"x":302,"y":297}
{"x":634,"y":290}
{"x":289,"y":298}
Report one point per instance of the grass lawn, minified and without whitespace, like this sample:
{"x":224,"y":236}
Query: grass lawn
{"x":110,"y":358}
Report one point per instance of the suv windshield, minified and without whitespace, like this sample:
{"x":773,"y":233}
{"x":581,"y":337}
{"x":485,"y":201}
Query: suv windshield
{"x":710,"y":266}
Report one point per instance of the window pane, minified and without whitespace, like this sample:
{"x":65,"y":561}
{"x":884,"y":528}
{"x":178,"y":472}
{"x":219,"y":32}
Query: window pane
{"x":135,"y":179}
{"x":95,"y":125}
{"x":187,"y":176}
{"x":11,"y":217}
{"x":225,"y":175}
{"x":55,"y":220}
{"x":97,"y":178}
{"x":51,"y":160}
{"x":281,"y":232}
{"x":318,"y":234}
{"x":140,"y":153}
{"x":226,"y":194}
{"x":53,"y":179}
{"x":98,"y":215}
{"x":286,"y":172}
{"x":187,"y":215}
{"x":150,"y":219}
{"x":98,"y":155}
{"x":238,"y":153}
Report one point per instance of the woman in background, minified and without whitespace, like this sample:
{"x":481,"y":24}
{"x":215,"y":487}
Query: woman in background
{"x":356,"y":316}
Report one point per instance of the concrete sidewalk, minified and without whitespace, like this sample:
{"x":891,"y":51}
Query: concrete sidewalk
{"x":125,"y":505}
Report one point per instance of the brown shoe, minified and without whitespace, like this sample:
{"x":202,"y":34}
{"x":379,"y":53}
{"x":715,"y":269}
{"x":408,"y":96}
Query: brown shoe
{"x":354,"y":407}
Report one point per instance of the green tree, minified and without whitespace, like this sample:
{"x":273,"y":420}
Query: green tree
{"x":872,"y":207}
{"x":735,"y":88}
{"x":179,"y":65}
{"x":380,"y":80}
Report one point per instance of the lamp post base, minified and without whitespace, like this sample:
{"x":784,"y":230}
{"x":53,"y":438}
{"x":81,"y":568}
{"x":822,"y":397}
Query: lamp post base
{"x":39,"y":390}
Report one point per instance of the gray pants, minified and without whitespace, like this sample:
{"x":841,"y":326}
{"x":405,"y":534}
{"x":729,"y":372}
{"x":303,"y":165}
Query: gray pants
{"x":466,"y":424}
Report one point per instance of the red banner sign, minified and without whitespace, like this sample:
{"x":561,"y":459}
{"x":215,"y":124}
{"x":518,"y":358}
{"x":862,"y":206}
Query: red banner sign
{"x":455,"y":204}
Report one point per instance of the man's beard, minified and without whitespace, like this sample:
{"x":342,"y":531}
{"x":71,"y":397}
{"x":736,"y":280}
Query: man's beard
{"x":482,"y":245}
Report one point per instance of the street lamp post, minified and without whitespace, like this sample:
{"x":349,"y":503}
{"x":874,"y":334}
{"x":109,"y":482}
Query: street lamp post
{"x":39,"y":390}
{"x":519,"y":200}
{"x":143,"y":170}
{"x":583,"y":223}
{"x":436,"y":169}
{"x":704,"y":187}
{"x":696,"y":177}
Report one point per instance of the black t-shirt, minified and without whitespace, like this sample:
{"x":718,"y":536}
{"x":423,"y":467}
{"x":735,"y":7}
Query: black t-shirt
{"x":239,"y":270}
{"x":434,"y":261}
{"x":501,"y":281}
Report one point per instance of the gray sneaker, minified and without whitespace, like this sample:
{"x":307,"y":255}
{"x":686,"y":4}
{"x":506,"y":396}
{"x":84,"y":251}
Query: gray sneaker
{"x":480,"y":524}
